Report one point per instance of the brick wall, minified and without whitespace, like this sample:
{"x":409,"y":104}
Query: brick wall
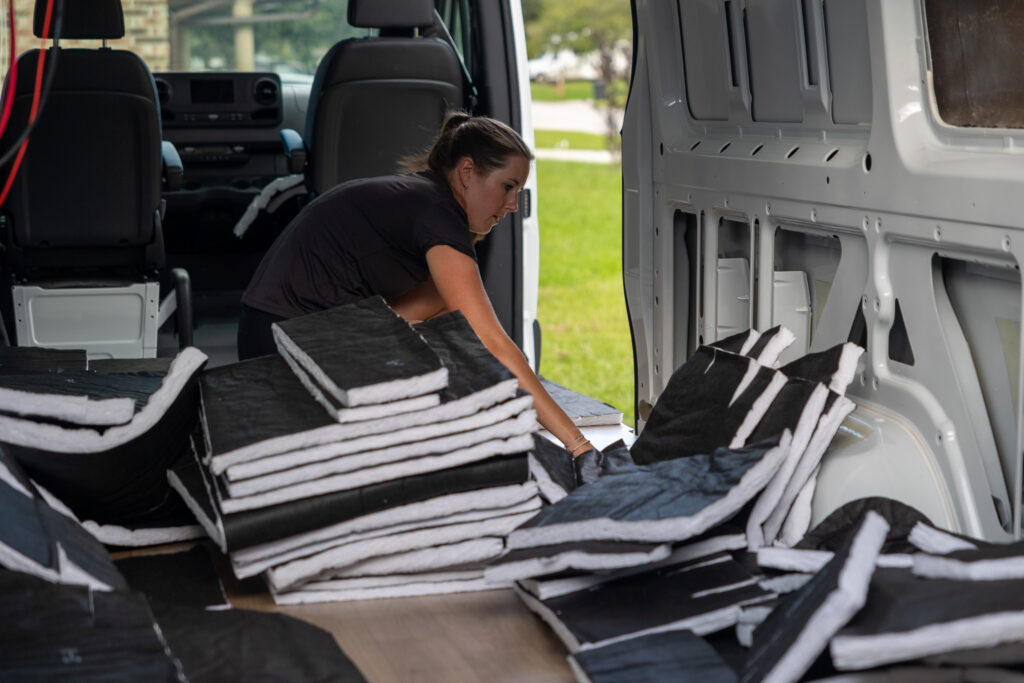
{"x":146,"y":32}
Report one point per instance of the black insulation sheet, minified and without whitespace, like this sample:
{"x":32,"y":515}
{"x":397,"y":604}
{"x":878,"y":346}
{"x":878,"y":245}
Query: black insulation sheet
{"x":53,"y":632}
{"x":834,"y":367}
{"x":187,"y":578}
{"x":668,"y":656}
{"x":832,"y":532}
{"x":32,"y":528}
{"x":263,"y":525}
{"x":214,"y":646}
{"x":907,"y":617}
{"x":125,"y":483}
{"x":584,"y":410}
{"x":137,"y":386}
{"x":261,"y":401}
{"x":671,"y":500}
{"x":788,"y":642}
{"x":738,"y":342}
{"x":552,"y":467}
{"x":471,"y":367}
{"x":388,"y":351}
{"x":653,"y":600}
{"x":696,"y":412}
{"x":20,"y":359}
{"x":769,"y":345}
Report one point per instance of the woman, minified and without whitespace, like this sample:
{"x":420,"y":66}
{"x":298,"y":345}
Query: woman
{"x":408,"y":238}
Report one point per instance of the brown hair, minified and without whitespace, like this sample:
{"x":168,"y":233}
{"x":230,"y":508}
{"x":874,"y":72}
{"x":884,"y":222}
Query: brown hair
{"x":488,"y":142}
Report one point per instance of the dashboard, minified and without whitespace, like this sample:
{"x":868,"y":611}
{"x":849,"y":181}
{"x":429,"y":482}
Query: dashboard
{"x":226,"y":127}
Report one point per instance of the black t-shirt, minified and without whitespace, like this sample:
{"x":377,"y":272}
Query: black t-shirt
{"x":363,"y":238}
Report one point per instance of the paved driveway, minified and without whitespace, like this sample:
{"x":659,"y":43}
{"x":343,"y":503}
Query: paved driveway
{"x":576,"y":115}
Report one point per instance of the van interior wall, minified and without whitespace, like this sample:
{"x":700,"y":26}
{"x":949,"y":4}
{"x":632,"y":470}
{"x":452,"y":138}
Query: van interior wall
{"x":820,"y":186}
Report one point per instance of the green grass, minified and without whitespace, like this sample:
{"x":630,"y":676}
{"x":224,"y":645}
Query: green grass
{"x":582,"y":310}
{"x":565,"y":139}
{"x":573,"y":90}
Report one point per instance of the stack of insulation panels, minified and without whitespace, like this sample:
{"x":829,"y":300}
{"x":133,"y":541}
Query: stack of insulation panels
{"x":367,"y":459}
{"x":724,"y":464}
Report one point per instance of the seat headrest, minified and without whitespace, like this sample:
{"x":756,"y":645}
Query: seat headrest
{"x":390,"y":13}
{"x":83,"y":19}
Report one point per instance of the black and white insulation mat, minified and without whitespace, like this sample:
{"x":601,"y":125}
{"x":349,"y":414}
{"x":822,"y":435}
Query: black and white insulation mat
{"x":54,"y":632}
{"x":787,"y":643}
{"x":40,"y":536}
{"x":591,"y":556}
{"x":244,"y":645}
{"x":668,"y":501}
{"x":703,"y":597}
{"x":116,"y":476}
{"x":346,"y":589}
{"x":270,"y":524}
{"x":714,"y":399}
{"x":293,"y":573}
{"x":563,"y":583}
{"x":499,"y":421}
{"x":764,"y":347}
{"x":668,"y":656}
{"x":387,"y":472}
{"x":255,"y":560}
{"x":260,"y":408}
{"x":361,"y":353}
{"x":907,"y":617}
{"x":988,"y":563}
{"x":585,"y":411}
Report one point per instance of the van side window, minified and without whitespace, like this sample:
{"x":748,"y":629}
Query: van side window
{"x":976,"y":62}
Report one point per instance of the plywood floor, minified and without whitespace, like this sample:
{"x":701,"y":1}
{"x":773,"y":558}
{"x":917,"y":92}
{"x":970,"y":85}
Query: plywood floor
{"x":487,"y":636}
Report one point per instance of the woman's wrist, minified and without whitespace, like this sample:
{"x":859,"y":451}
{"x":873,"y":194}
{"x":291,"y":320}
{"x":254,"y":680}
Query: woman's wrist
{"x":580,"y":438}
{"x":579,"y":446}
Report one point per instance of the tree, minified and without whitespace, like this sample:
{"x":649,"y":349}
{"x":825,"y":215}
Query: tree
{"x":601,"y":27}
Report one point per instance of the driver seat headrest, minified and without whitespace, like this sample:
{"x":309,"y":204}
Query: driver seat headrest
{"x":83,"y":19}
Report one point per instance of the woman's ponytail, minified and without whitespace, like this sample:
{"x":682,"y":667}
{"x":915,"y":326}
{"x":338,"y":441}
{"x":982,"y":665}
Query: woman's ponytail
{"x":488,"y":142}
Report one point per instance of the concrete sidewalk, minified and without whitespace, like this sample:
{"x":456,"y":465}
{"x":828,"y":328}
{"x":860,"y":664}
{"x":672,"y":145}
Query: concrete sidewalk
{"x":592,"y":156}
{"x":576,"y":115}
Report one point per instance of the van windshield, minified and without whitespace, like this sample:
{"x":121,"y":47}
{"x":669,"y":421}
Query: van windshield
{"x":287,"y":37}
{"x":284,"y":36}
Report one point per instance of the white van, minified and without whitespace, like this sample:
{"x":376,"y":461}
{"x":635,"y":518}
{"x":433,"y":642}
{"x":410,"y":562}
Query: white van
{"x":852,"y":171}
{"x":847,"y":169}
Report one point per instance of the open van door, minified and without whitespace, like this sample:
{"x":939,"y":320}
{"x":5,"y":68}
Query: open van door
{"x":850,"y":170}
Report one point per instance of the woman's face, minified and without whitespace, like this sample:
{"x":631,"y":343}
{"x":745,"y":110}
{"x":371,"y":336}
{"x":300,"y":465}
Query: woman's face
{"x":487,"y":197}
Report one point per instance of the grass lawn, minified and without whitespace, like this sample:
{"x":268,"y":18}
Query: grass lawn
{"x":567,"y":139}
{"x":581,"y":308}
{"x":573,"y":90}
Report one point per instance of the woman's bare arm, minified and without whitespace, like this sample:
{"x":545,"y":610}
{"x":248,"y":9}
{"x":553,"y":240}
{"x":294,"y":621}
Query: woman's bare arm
{"x":457,"y":281}
{"x":419,"y":304}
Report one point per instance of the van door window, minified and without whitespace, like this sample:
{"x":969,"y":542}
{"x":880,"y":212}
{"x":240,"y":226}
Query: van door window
{"x":976,"y":62}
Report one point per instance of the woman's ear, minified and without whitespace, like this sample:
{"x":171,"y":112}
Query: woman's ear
{"x":466,"y":169}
